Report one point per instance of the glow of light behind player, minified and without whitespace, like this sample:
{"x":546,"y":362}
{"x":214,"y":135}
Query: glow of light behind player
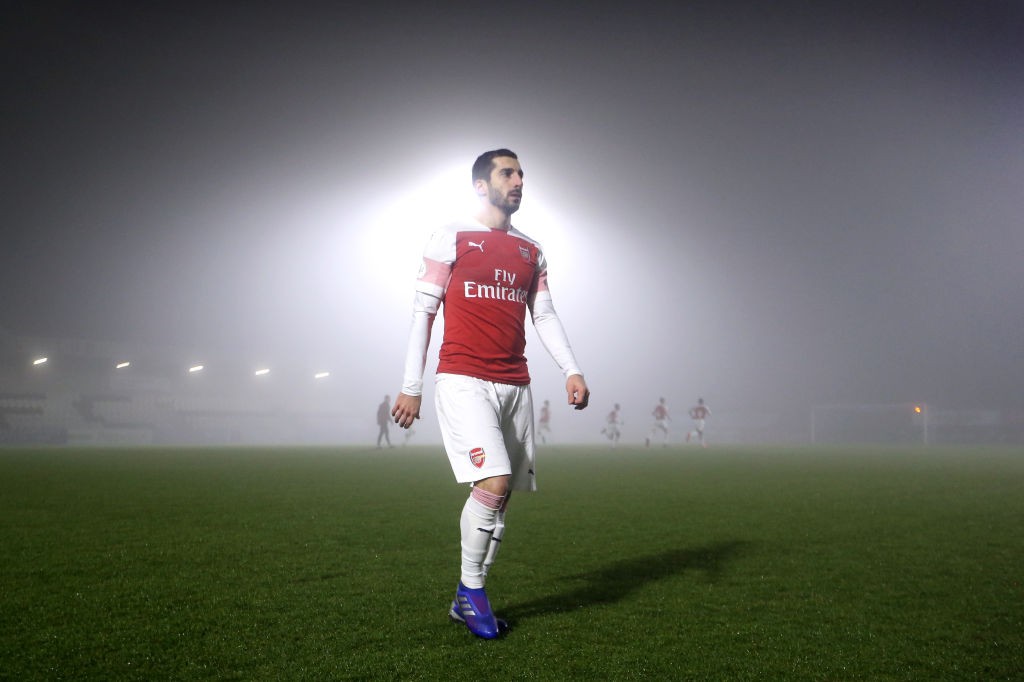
{"x":398,"y":228}
{"x":393,"y":241}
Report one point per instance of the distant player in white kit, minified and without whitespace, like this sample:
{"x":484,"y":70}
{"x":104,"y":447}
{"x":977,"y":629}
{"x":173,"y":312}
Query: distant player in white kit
{"x":488,"y":275}
{"x":698,"y":413}
{"x":660,"y":425}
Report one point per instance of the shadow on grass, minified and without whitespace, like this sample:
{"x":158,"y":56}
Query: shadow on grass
{"x":617,"y":580}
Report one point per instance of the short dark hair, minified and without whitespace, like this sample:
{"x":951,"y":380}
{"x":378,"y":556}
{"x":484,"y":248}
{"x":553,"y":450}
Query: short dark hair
{"x":484,"y":163}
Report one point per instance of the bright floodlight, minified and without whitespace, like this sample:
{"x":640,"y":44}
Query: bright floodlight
{"x":261,"y":372}
{"x":40,"y":361}
{"x":321,"y":375}
{"x":195,"y":368}
{"x":122,"y":365}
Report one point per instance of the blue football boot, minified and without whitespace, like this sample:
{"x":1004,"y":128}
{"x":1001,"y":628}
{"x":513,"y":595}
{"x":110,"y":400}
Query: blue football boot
{"x":472,"y":608}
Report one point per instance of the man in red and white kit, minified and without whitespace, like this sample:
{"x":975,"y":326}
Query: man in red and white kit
{"x":545,"y":421}
{"x":613,"y":422}
{"x":488,"y":275}
{"x":698,"y":413}
{"x":661,"y":420}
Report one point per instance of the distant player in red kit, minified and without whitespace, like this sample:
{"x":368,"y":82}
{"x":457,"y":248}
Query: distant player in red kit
{"x":698,"y":413}
{"x":661,"y":420}
{"x":545,"y":422}
{"x":613,"y":422}
{"x":489,"y":276}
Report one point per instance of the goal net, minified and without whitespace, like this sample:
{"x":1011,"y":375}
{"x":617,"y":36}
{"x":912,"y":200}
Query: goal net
{"x":870,"y":423}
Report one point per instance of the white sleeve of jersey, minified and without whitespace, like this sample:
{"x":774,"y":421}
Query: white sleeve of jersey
{"x":431,"y":282}
{"x":424,"y":310}
{"x":552,"y":334}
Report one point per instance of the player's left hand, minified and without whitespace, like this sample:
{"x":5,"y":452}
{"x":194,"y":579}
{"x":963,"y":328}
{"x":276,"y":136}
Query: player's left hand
{"x":579,"y":394}
{"x":406,"y":409}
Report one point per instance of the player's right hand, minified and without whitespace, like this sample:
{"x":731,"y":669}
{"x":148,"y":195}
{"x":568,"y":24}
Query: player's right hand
{"x":579,"y":394}
{"x":406,"y":409}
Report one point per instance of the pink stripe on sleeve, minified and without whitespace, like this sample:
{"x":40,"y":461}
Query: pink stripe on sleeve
{"x":435,"y":272}
{"x":542,"y":281}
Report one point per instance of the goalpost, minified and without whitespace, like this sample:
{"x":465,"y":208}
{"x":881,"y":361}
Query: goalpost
{"x":870,"y":423}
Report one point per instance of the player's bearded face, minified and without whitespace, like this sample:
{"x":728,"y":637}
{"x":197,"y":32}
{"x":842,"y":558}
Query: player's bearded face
{"x":505,"y":189}
{"x":506,"y":200}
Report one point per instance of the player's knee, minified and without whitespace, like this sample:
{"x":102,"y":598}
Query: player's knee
{"x":488,"y":498}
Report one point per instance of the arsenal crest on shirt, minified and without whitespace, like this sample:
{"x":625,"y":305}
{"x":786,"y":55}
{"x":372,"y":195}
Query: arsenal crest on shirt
{"x":477,"y":457}
{"x":525,"y":253}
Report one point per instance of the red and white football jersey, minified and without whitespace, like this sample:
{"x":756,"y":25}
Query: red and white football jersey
{"x":486,"y":280}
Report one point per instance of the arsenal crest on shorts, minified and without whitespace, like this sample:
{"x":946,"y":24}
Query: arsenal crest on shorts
{"x":477,"y":457}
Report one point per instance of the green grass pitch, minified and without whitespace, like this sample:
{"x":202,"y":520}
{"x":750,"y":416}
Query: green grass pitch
{"x":679,"y":563}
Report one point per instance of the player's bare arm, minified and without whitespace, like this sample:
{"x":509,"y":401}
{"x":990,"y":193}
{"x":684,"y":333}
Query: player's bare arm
{"x":406,"y":409}
{"x":579,"y":394}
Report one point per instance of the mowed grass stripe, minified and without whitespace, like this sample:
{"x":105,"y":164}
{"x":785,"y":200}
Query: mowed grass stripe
{"x":726,"y":563}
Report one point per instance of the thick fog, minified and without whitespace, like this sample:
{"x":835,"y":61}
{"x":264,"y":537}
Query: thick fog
{"x":769,"y":207}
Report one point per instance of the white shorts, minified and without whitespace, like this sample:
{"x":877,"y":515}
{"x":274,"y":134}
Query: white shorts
{"x":487,"y":429}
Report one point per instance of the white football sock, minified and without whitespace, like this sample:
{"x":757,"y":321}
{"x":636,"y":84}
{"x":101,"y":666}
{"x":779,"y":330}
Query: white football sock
{"x":495,"y":545}
{"x":477,"y":525}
